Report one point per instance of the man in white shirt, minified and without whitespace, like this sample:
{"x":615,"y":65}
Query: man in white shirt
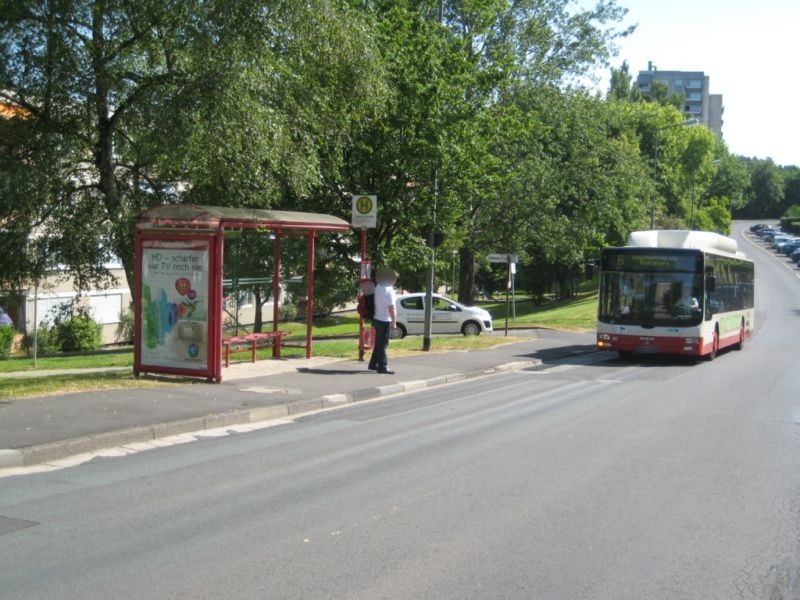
{"x":385,"y":320}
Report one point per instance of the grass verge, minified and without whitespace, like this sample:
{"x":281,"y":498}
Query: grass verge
{"x":578,"y":313}
{"x":22,"y":387}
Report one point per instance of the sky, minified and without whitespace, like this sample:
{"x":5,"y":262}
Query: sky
{"x":749,"y":49}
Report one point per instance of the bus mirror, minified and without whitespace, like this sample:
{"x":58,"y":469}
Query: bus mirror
{"x":711,"y":283}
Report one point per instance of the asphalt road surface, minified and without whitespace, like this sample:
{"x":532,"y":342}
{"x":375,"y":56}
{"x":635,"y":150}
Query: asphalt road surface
{"x":585,"y":478}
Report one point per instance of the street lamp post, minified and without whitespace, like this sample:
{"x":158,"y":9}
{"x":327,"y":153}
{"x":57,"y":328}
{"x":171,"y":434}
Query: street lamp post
{"x":686,"y":123}
{"x":453,"y":276}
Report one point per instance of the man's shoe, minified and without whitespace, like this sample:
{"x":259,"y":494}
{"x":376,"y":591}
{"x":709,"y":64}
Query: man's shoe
{"x":371,"y":368}
{"x":385,"y":371}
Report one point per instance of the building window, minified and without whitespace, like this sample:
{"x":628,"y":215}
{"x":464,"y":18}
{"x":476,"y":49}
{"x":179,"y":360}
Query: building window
{"x":106,"y":309}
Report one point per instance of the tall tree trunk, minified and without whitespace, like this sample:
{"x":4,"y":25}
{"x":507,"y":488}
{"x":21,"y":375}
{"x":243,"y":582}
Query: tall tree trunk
{"x":122,"y":228}
{"x":466,"y":275}
{"x":258,"y":319}
{"x":564,"y":283}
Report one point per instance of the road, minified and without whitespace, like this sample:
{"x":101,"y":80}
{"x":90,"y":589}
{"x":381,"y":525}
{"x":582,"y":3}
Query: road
{"x":586,"y":478}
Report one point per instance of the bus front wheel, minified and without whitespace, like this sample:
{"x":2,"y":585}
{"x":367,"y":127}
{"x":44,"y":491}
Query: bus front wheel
{"x":714,"y":346}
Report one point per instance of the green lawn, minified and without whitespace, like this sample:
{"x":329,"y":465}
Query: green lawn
{"x":324,"y":327}
{"x":112,"y":358}
{"x":574,"y":314}
{"x":14,"y":387}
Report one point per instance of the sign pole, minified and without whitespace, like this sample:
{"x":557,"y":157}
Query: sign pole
{"x":361,"y":340}
{"x":365,"y":216}
{"x":508,"y":286}
{"x":513,"y":293}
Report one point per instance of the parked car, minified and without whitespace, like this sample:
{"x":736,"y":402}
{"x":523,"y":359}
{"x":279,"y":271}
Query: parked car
{"x":758,"y":227}
{"x":796,"y":255}
{"x":448,"y":316}
{"x":778,"y":241}
{"x":767,"y":232}
{"x":770,"y":236}
{"x":789,"y":247}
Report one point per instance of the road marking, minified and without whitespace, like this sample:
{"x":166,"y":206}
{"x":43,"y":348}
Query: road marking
{"x":557,"y":369}
{"x":135,"y":448}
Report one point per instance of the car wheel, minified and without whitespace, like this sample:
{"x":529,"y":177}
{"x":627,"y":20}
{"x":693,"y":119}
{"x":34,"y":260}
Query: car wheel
{"x":399,"y":332}
{"x":471,"y":328}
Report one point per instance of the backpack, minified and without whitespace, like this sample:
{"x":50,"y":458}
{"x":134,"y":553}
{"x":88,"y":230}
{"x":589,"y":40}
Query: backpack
{"x":366,"y":306}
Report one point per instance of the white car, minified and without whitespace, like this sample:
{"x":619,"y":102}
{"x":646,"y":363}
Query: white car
{"x":448,"y":316}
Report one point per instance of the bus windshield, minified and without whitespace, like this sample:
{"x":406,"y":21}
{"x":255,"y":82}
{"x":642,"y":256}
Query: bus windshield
{"x":651,"y":298}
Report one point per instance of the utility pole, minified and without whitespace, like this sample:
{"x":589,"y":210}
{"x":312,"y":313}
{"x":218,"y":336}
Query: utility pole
{"x":426,"y":337}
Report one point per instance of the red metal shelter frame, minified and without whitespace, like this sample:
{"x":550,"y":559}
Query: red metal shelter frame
{"x":193,"y":228}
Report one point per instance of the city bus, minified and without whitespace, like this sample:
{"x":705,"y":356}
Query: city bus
{"x":675,"y":292}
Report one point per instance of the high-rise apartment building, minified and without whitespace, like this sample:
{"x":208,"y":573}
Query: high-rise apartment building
{"x":694,"y":87}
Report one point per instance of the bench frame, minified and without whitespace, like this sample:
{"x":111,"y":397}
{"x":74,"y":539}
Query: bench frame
{"x":251,"y":342}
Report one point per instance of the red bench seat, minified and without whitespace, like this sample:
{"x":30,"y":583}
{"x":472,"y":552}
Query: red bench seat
{"x":251,"y":342}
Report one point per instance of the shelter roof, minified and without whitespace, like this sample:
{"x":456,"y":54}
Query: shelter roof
{"x":196,"y":216}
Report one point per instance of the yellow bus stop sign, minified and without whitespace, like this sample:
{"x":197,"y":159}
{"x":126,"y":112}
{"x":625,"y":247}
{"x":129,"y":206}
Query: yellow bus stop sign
{"x":365,"y":211}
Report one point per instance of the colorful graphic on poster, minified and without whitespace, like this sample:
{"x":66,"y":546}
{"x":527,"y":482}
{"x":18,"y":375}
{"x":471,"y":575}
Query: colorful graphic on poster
{"x":174,"y":304}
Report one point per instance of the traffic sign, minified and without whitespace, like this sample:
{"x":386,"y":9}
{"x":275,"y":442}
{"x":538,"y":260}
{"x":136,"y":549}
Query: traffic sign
{"x":365,"y":211}
{"x":503,"y":258}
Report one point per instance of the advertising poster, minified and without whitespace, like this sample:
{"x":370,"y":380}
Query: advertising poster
{"x":174,"y":304}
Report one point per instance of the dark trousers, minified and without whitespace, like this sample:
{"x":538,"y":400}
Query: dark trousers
{"x":383,"y":330}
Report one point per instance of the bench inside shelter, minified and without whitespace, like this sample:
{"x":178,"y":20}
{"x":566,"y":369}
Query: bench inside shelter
{"x":251,"y":342}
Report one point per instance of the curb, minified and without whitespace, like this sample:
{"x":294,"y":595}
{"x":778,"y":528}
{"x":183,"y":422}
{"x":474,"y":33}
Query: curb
{"x":50,"y":451}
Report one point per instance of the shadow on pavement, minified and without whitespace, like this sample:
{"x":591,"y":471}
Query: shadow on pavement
{"x":313,"y":371}
{"x":564,"y":354}
{"x":577,"y":353}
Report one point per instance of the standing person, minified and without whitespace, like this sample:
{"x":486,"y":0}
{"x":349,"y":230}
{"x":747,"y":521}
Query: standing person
{"x":385,"y":320}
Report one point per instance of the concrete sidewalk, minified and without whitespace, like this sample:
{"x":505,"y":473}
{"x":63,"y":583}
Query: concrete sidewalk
{"x":38,"y":430}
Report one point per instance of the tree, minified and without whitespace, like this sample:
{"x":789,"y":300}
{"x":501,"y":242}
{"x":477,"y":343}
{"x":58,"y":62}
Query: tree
{"x":791,"y":186}
{"x":593,"y":185}
{"x":152,"y":101}
{"x":731,"y":180}
{"x":766,"y":191}
{"x":714,"y":216}
{"x":514,"y":51}
{"x":622,"y":86}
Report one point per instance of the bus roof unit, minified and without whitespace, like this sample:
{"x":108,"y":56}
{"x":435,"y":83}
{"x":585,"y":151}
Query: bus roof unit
{"x":679,"y":238}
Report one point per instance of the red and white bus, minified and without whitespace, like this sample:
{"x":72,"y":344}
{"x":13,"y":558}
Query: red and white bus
{"x":675,"y":292}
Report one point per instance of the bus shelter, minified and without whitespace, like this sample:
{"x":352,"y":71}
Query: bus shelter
{"x":178,"y":287}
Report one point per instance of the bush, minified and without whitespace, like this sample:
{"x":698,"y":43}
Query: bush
{"x":125,"y":327}
{"x":7,"y":333}
{"x":790,"y":220}
{"x":45,"y":338}
{"x":79,"y":334}
{"x":72,"y":330}
{"x":287,"y":312}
